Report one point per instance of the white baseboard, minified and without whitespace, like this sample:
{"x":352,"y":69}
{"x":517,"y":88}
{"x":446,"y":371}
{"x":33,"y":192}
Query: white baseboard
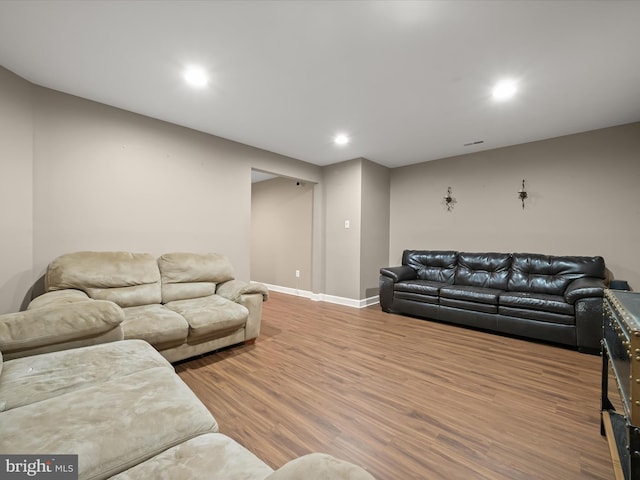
{"x":322,"y":297}
{"x":290,"y":291}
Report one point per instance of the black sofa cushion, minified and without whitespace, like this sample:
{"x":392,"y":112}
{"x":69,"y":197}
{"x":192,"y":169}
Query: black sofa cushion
{"x":536,"y":301}
{"x":483,"y":269}
{"x":434,"y":265}
{"x":468,"y":297}
{"x":422,"y":287}
{"x":424,"y":291}
{"x":537,"y":315}
{"x":466,"y":305}
{"x":549,"y":274}
{"x":471,"y":294}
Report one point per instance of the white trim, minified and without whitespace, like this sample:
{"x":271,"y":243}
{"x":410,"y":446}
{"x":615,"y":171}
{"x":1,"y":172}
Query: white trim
{"x":349,"y":302}
{"x":321,"y":297}
{"x":290,"y":291}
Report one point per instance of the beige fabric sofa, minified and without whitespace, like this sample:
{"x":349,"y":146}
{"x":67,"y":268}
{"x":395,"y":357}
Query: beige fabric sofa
{"x":122,"y":409}
{"x":184,"y":304}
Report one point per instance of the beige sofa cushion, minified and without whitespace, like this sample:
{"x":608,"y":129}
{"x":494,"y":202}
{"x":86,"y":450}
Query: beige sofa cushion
{"x":128,"y":296}
{"x":53,"y":325}
{"x":158,"y":325}
{"x":192,"y":275}
{"x":210,"y":316}
{"x":128,"y":279}
{"x":213,"y":456}
{"x":32,"y":379}
{"x":187,"y":290}
{"x":111,"y":426}
{"x":319,"y":466}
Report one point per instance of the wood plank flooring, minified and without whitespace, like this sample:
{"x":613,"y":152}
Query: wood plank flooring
{"x":405,"y":398}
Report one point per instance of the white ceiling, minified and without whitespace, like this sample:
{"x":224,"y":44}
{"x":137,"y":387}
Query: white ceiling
{"x":409,"y":81}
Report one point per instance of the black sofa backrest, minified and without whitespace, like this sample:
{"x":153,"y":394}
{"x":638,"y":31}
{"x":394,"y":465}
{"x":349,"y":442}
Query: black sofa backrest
{"x":537,"y":273}
{"x":434,"y":265}
{"x":520,"y":272}
{"x":489,"y":270}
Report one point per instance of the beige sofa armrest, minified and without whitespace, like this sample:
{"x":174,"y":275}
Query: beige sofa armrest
{"x":57,"y":327}
{"x":319,"y":466}
{"x":251,"y":295}
{"x":234,"y":289}
{"x":58,"y":297}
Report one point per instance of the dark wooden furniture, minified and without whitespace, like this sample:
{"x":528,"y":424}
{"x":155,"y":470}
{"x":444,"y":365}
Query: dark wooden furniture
{"x":621,"y":371}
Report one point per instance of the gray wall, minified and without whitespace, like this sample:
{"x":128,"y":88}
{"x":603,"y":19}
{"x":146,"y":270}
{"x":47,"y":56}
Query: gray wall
{"x":342,"y":187}
{"x":78,"y":175}
{"x":584,"y":199}
{"x":16,"y":191}
{"x":106,"y":179}
{"x":375,"y":226}
{"x":281,"y":233}
{"x":358,"y":191}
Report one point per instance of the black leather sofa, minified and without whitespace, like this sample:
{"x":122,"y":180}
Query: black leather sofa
{"x":551,"y":298}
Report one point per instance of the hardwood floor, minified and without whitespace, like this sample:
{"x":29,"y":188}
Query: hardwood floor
{"x":405,"y":398}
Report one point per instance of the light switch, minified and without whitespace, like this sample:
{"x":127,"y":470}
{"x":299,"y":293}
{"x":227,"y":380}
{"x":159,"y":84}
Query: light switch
{"x":347,"y":224}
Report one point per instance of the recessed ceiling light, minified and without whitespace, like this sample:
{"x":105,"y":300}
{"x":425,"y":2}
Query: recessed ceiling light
{"x":341,"y":139}
{"x":196,"y":77}
{"x":504,"y":90}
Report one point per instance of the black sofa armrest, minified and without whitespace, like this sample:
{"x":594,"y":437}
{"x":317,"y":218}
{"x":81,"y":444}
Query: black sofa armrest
{"x":389,"y":276}
{"x":589,"y":331}
{"x":586,"y":287}
{"x":397,"y":274}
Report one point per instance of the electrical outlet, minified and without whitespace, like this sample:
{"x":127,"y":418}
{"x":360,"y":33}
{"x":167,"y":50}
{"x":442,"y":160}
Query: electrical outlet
{"x":297,"y":273}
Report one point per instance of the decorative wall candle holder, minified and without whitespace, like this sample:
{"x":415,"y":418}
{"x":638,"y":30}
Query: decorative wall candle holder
{"x":448,"y":200}
{"x":522,"y":194}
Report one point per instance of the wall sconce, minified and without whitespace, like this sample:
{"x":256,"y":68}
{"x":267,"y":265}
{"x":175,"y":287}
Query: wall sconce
{"x":448,"y":200}
{"x":522,"y":194}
